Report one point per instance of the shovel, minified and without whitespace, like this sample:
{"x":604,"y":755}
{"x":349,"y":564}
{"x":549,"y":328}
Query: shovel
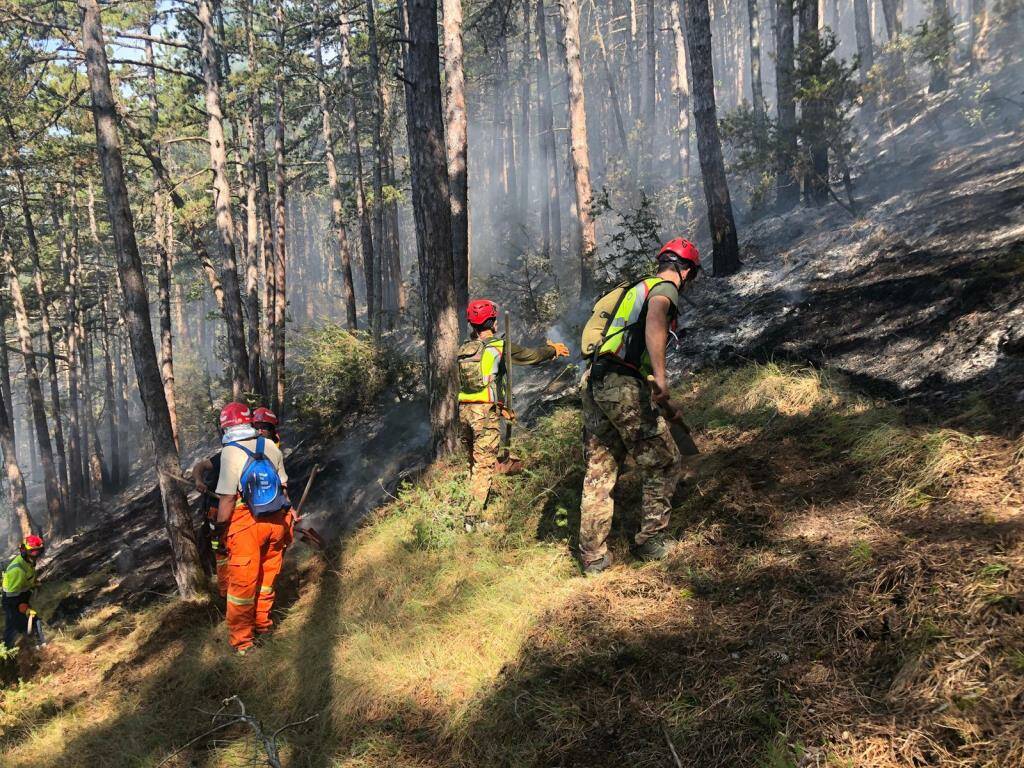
{"x":679,"y":429}
{"x":507,"y":463}
{"x":308,"y":534}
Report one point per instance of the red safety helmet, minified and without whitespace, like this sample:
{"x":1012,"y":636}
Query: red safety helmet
{"x":265,"y":416}
{"x":234,"y":414}
{"x":680,"y":251}
{"x":32,"y":546}
{"x":480,"y":311}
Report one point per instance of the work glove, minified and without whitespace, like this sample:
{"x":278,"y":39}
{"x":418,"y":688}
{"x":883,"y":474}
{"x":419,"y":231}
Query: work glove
{"x":218,"y":536}
{"x":560,"y":349}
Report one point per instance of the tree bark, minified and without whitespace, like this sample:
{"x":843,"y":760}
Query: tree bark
{"x":15,"y":481}
{"x":184,"y":555}
{"x":255,"y":231}
{"x":726,"y":254}
{"x":54,"y":506}
{"x":337,"y":209}
{"x":456,"y":135}
{"x":976,"y":33}
{"x":432,"y":212}
{"x":377,"y":114}
{"x":362,"y":211}
{"x":787,"y":188}
{"x":552,"y":212}
{"x":280,"y":214}
{"x":160,"y":227}
{"x":940,"y":66}
{"x":756,"y":89}
{"x":682,"y":84}
{"x":816,"y":187}
{"x":110,"y":407}
{"x":580,"y":146}
{"x":650,"y":88}
{"x":237,"y":352}
{"x":51,"y":353}
{"x":70,"y":274}
{"x":613,"y":91}
{"x":524,"y":129}
{"x":865,"y":45}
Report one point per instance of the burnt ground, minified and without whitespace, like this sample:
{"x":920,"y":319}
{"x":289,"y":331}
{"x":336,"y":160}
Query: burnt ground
{"x":918,"y":294}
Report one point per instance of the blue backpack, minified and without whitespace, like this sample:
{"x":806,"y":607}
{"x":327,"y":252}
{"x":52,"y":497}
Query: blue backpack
{"x":260,"y":485}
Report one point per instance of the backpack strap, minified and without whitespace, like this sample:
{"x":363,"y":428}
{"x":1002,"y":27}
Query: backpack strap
{"x":611,"y":316}
{"x":261,"y":443}
{"x":241,"y":447}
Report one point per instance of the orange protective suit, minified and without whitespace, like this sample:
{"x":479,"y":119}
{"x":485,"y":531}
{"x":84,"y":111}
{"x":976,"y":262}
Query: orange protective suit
{"x":256,"y":549}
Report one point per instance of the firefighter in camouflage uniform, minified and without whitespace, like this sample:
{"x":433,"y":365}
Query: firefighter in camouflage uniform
{"x":620,"y":414}
{"x":482,"y":361}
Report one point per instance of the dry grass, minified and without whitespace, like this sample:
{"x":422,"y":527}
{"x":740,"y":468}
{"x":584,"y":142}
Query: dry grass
{"x":846,"y":591}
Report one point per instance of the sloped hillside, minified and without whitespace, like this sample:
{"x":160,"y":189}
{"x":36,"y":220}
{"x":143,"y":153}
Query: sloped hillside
{"x":846,"y":589}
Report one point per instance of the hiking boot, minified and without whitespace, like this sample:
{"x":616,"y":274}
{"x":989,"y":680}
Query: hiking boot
{"x":245,"y":651}
{"x":598,"y":566}
{"x":655,"y":548}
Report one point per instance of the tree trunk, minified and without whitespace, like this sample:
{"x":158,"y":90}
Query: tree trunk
{"x":362,"y":211}
{"x":580,"y":146}
{"x":940,"y":66}
{"x":682,"y":84}
{"x":524,"y":129}
{"x":726,"y":254}
{"x":337,"y":209}
{"x":51,"y":354}
{"x":976,"y":33}
{"x":650,"y":89}
{"x":816,"y":187}
{"x":893,"y":18}
{"x":237,"y":353}
{"x":787,"y":188}
{"x":110,"y":409}
{"x":613,"y":91}
{"x":122,"y":359}
{"x":432,"y":212}
{"x":184,"y":555}
{"x":455,"y":133}
{"x":74,"y":451}
{"x":5,"y":368}
{"x":377,"y":113}
{"x":280,"y":214}
{"x":54,"y":506}
{"x":392,"y":238}
{"x":15,"y":481}
{"x":160,"y":227}
{"x":552,"y":212}
{"x":756,"y":89}
{"x":865,"y":45}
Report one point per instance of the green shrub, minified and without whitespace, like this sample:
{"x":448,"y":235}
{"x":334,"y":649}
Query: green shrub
{"x":338,"y":371}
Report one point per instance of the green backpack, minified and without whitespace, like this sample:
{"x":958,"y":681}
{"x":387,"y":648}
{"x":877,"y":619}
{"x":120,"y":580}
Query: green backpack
{"x":471,"y":376}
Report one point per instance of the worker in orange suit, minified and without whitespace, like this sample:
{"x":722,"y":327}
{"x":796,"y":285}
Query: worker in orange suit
{"x":255,"y":517}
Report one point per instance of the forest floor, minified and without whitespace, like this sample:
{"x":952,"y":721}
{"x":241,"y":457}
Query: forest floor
{"x":846,"y":590}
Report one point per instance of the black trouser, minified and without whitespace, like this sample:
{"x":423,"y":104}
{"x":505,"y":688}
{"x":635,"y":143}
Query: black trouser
{"x":15,"y":622}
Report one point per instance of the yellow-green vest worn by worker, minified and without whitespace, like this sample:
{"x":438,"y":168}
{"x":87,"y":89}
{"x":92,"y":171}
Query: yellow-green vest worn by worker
{"x":623,"y":340}
{"x":20,"y":577}
{"x":480,"y":370}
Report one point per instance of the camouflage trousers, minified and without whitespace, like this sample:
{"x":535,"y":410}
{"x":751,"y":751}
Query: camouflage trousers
{"x":481,"y":433}
{"x":619,"y":420}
